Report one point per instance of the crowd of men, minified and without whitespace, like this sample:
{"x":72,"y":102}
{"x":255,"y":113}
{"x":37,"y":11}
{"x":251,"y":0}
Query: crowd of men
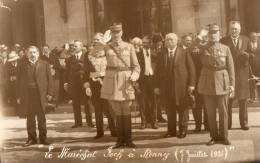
{"x":202,"y":72}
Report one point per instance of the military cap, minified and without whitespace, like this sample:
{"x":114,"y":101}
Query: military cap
{"x":116,"y":27}
{"x":213,"y":28}
{"x":71,"y":42}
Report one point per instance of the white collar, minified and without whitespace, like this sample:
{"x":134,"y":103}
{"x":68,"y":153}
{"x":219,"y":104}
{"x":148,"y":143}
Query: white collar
{"x":33,"y":62}
{"x":78,"y":55}
{"x":172,"y":50}
{"x":146,"y":50}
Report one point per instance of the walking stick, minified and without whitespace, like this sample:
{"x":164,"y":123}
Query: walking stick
{"x":155,"y":105}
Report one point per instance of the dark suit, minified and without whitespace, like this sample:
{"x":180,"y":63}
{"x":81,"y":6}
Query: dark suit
{"x":173,"y":76}
{"x":196,"y":51}
{"x":101,"y":105}
{"x":3,"y":82}
{"x":33,"y":98}
{"x":255,"y":68}
{"x":146,"y":83}
{"x":75,"y":77}
{"x":12,"y":72}
{"x":242,"y":73}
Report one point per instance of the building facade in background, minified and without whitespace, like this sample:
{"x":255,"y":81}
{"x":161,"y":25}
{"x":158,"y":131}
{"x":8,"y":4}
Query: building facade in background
{"x":56,"y":22}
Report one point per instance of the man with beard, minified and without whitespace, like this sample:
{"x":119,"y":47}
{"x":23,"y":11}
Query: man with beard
{"x":35,"y":85}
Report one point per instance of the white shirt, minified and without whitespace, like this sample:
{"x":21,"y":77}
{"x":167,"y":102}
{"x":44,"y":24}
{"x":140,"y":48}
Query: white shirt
{"x":172,"y":51}
{"x":253,"y":45}
{"x":148,"y":63}
{"x":78,"y":55}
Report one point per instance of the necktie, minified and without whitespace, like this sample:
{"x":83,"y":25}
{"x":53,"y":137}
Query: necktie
{"x":171,"y":54}
{"x":235,"y":42}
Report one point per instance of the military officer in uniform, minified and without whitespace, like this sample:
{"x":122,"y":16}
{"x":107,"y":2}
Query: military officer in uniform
{"x":199,"y":111}
{"x":122,"y":71}
{"x":216,"y":84}
{"x":95,"y":67}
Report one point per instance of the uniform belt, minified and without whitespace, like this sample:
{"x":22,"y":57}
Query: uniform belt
{"x":216,"y":68}
{"x":118,"y":68}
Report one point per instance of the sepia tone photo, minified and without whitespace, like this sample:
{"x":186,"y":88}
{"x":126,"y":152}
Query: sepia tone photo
{"x":123,"y":81}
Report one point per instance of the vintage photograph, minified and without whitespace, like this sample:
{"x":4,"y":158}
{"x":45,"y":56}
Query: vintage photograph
{"x":125,"y":81}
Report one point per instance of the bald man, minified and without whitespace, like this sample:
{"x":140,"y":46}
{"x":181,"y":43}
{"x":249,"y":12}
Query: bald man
{"x":174,"y":80}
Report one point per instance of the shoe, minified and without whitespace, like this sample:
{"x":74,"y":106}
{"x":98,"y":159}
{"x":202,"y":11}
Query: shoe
{"x":91,"y":125}
{"x":143,"y":126}
{"x":130,"y":144}
{"x":118,"y":145}
{"x":114,"y":134}
{"x":211,"y":142}
{"x":182,"y":135}
{"x":167,"y":135}
{"x":98,"y":136}
{"x":162,"y":120}
{"x":245,"y":128}
{"x":154,"y":126}
{"x":197,"y":130}
{"x":44,"y":142}
{"x":76,"y":126}
{"x":30,"y":142}
{"x":226,"y":142}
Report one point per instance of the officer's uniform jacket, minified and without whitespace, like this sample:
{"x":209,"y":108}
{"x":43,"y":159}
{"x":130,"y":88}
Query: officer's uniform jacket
{"x":217,"y":72}
{"x":116,"y":83}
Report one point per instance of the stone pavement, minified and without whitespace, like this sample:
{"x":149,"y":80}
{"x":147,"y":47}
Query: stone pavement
{"x":77,"y":145}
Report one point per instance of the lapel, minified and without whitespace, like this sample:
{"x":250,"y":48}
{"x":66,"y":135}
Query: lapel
{"x":240,"y":41}
{"x":141,"y":56}
{"x":82,"y":57}
{"x":230,"y":43}
{"x":38,"y":64}
{"x":165,"y":58}
{"x":176,"y":55}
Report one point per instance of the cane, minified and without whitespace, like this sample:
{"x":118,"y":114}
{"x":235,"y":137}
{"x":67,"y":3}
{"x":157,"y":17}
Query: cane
{"x":155,"y":105}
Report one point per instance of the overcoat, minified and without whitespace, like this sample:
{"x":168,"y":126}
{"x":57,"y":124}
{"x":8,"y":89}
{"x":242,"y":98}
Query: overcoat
{"x":44,"y":82}
{"x":242,"y":66}
{"x":184,"y":73}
